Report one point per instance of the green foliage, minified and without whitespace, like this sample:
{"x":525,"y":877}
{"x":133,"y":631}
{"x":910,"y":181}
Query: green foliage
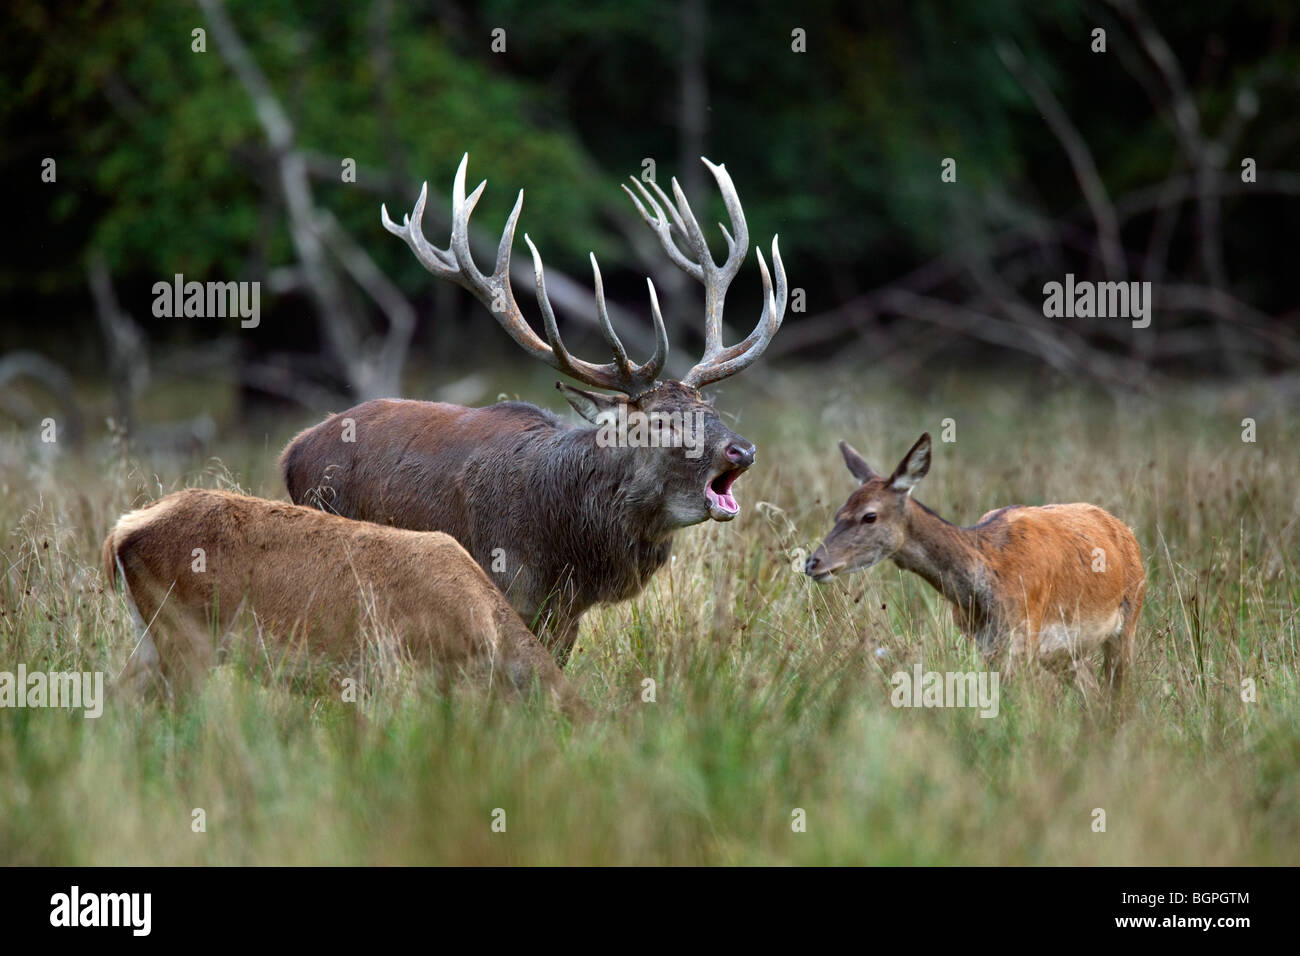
{"x":177,"y":164}
{"x":165,"y":168}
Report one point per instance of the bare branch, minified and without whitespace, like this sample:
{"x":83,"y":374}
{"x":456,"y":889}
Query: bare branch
{"x":368,"y":375}
{"x":128,"y":352}
{"x":50,"y":376}
{"x":1085,"y":170}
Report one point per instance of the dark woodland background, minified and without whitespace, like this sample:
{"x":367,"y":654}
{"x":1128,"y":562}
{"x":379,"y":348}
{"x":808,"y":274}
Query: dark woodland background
{"x":226,"y":165}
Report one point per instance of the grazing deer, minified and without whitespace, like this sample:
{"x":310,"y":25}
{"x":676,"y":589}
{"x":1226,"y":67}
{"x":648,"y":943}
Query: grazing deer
{"x":561,"y":518}
{"x":314,"y":582}
{"x":1052,"y":583}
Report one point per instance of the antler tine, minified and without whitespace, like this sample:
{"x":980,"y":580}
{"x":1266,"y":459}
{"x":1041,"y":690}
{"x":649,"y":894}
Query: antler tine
{"x":411,"y":231}
{"x":561,"y":359}
{"x":507,"y":243}
{"x":602,"y":313}
{"x":715,"y":291}
{"x":655,"y":364}
{"x":461,"y":209}
{"x":620,"y":375}
{"x":739,"y":357}
{"x":737,"y":248}
{"x":457,"y":264}
{"x":780,"y":298}
{"x":670,"y":206}
{"x":718,"y":361}
{"x":638,"y":377}
{"x":663,"y":227}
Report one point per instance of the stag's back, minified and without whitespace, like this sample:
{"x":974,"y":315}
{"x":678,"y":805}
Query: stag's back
{"x":404,"y":463}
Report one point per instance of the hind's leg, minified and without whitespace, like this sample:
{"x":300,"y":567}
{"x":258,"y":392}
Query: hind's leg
{"x":1119,"y":649}
{"x":1085,"y":678}
{"x":172,"y":656}
{"x":190,"y":652}
{"x":528,"y":666}
{"x":142,"y":673}
{"x":1062,"y":654}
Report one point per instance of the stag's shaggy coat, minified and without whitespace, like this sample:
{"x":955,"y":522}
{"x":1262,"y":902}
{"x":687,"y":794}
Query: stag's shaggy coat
{"x":559,"y":522}
{"x":311,"y":582}
{"x":560,"y":518}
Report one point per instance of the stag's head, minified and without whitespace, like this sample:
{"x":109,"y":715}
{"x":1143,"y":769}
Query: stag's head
{"x":872,"y":525}
{"x":686,"y":458}
{"x":685,"y":455}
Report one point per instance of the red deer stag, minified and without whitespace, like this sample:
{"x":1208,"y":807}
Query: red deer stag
{"x":1053,"y":583}
{"x":190,"y":562}
{"x":561,"y":518}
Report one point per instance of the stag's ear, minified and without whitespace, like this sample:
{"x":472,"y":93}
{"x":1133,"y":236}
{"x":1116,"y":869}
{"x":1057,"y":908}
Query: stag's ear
{"x":857,"y":464}
{"x":590,"y":405}
{"x":914,"y":466}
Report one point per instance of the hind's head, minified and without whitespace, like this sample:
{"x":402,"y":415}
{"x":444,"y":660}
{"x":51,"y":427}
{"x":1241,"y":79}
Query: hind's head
{"x":871,"y":526}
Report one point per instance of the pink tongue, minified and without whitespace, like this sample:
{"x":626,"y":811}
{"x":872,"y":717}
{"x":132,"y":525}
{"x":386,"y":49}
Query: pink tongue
{"x":727,"y":502}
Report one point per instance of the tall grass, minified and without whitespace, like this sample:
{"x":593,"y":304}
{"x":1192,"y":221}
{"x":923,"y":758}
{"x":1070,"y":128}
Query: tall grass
{"x":771,"y":693}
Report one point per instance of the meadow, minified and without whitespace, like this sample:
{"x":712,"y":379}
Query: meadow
{"x":771,"y":693}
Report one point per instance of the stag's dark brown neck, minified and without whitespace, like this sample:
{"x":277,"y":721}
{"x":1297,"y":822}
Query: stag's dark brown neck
{"x":614,"y":535}
{"x":615,"y":496}
{"x":945,"y":555}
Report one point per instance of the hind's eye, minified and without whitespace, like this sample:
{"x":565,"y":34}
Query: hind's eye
{"x":869,"y":517}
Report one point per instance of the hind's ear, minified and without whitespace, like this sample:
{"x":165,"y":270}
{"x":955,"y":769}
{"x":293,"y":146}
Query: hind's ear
{"x":590,"y":405}
{"x":857,"y":464}
{"x":914,"y":466}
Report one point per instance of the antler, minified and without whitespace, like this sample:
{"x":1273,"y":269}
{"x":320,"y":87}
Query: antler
{"x":719,"y":361}
{"x":457,"y":264}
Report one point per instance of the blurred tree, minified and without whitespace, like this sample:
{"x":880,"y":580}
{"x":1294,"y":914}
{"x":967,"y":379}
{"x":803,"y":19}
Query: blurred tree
{"x":1066,"y":158}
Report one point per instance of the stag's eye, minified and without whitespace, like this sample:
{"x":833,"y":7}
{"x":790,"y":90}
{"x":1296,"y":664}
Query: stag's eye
{"x":869,"y":518}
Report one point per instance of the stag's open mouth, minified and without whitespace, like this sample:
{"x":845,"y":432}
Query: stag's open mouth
{"x":723,"y":505}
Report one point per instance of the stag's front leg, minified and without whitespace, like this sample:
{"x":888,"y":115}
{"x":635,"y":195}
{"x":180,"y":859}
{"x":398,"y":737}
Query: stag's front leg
{"x":555,"y":624}
{"x":560,"y":638}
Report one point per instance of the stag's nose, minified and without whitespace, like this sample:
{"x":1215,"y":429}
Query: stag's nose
{"x":741,"y":453}
{"x":812,"y":565}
